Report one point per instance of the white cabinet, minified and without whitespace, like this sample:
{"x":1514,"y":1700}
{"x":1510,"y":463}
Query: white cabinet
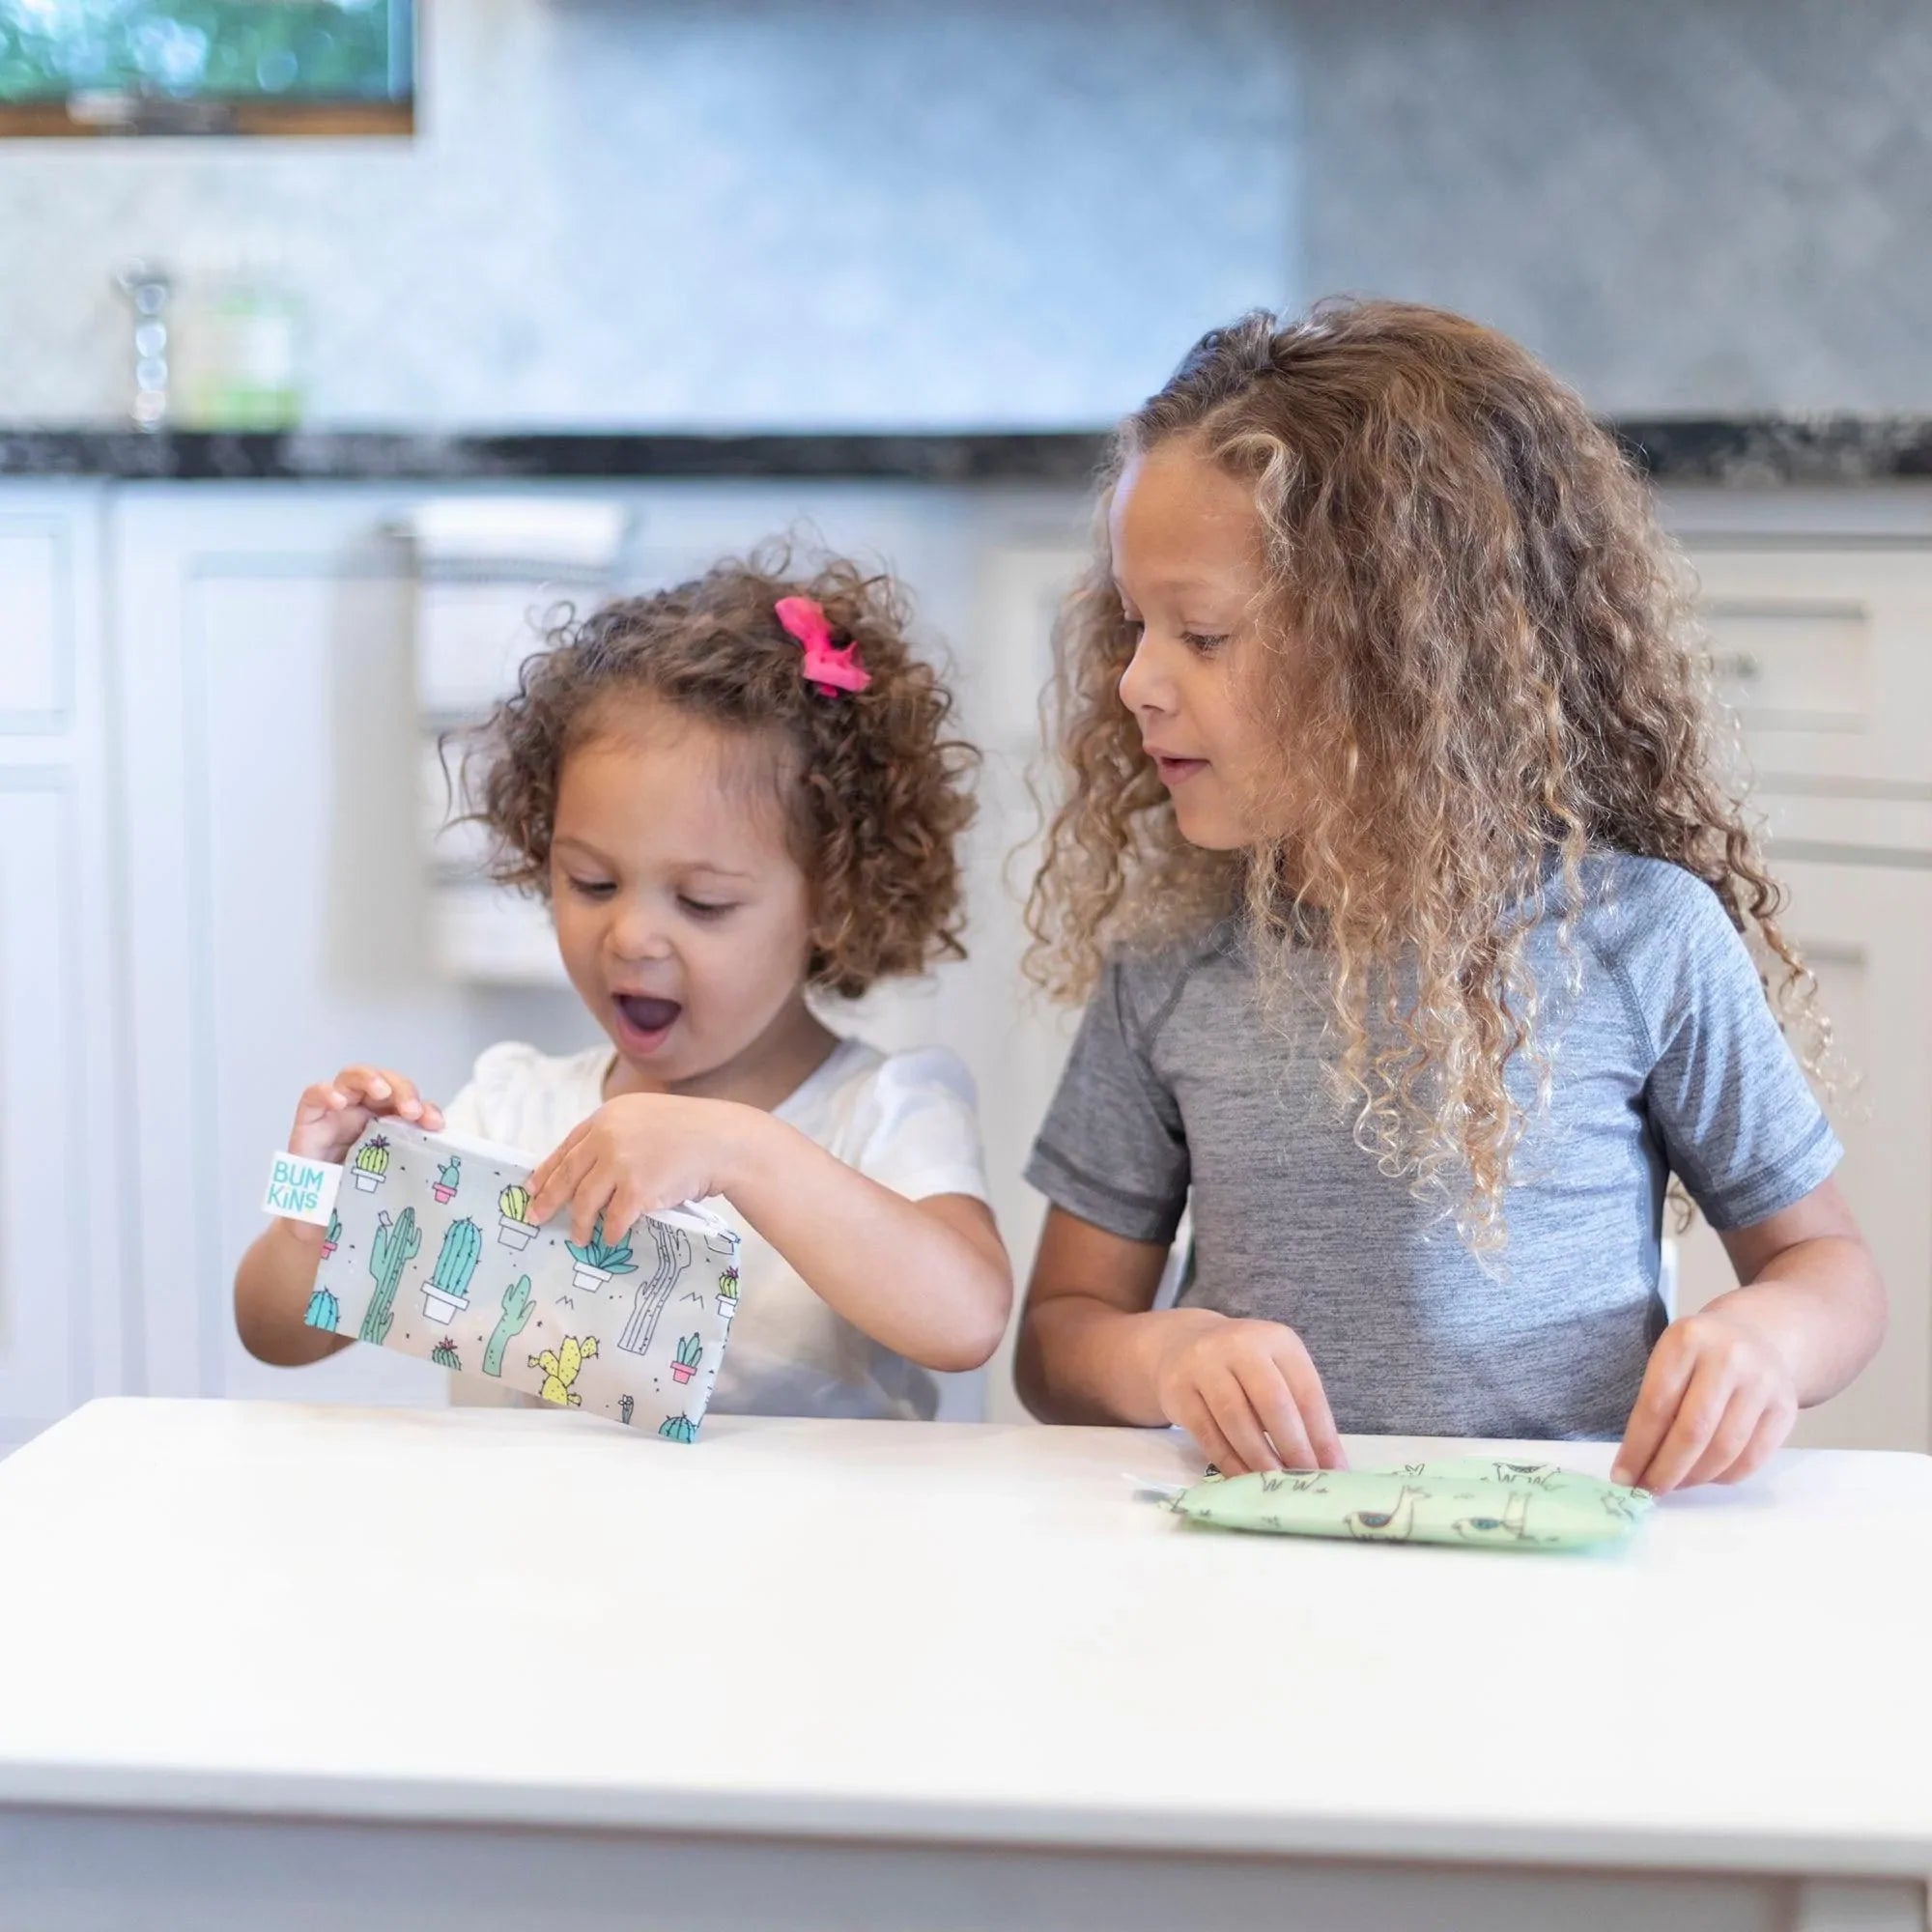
{"x":67,"y":1221}
{"x":276,"y":902}
{"x":1866,"y":931}
{"x":1819,"y":613}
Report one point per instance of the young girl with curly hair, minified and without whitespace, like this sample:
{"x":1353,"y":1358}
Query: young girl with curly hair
{"x":730,"y":793}
{"x":1411,"y":909}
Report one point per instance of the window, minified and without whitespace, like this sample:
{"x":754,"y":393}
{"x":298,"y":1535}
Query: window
{"x":207,"y":66}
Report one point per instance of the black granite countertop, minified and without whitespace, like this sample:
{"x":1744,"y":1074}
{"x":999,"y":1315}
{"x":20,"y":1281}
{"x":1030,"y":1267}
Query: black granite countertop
{"x":1740,"y":451}
{"x":1048,"y":457}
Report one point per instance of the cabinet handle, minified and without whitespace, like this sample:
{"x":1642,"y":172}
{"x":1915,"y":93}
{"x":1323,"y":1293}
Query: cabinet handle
{"x":1742,"y":667}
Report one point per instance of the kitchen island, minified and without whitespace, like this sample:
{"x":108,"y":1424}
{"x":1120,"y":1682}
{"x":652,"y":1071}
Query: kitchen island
{"x":267,"y":1664}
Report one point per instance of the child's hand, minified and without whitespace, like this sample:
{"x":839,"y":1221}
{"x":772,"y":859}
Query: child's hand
{"x":1249,"y":1396}
{"x":1716,"y":1400}
{"x":637,"y":1153}
{"x":330,"y":1117}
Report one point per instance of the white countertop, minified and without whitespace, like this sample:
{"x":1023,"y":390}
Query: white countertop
{"x":942,"y":1634}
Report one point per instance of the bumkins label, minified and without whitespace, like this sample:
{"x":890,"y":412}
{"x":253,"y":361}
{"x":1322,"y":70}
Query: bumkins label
{"x":301,"y":1190}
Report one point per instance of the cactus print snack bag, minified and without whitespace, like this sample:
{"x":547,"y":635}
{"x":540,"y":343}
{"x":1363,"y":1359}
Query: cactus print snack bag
{"x":428,"y":1251}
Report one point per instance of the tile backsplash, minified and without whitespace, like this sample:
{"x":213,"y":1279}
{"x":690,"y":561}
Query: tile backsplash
{"x":730,"y":212}
{"x":1685,"y":205}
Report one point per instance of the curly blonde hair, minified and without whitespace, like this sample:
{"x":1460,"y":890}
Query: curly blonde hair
{"x":1478,"y":666}
{"x":876,"y":793}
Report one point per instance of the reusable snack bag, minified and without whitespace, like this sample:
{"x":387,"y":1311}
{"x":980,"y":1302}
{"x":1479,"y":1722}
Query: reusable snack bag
{"x":1475,"y":1502}
{"x":428,"y":1250}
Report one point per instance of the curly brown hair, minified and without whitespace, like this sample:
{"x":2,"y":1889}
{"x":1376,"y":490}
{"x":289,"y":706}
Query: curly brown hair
{"x":1478,"y":662}
{"x":876,"y":793}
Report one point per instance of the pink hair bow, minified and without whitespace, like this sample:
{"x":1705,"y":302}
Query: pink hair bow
{"x":829,"y":666}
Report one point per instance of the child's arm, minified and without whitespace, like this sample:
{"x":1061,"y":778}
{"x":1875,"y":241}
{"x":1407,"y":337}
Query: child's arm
{"x":928,"y":1279}
{"x":1092,"y":1349}
{"x":1725,"y":1385}
{"x":273,"y":1282}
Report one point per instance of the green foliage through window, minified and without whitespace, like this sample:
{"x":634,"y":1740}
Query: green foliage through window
{"x":239,"y":50}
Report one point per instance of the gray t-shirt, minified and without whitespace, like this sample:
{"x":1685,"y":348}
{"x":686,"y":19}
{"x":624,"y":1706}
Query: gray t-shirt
{"x":1668,"y":1060}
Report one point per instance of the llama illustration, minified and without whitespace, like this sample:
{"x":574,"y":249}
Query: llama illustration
{"x":1394,"y":1525}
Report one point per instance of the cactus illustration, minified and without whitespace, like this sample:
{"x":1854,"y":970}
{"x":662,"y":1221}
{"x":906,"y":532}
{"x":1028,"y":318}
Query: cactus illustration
{"x":449,"y":1289}
{"x":514,"y":1319}
{"x":690,"y":1353}
{"x":673,"y":1246}
{"x":727,"y":1292}
{"x":444,"y":1354}
{"x":678,"y":1428}
{"x":448,"y":1178}
{"x":395,"y":1246}
{"x":560,"y":1368}
{"x":513,"y":1227}
{"x":372,"y":1164}
{"x":598,"y":1259}
{"x":625,"y":1405}
{"x":333,"y":1237}
{"x":324,"y":1309}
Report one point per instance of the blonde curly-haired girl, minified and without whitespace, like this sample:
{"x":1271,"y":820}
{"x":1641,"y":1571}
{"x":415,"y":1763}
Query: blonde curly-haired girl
{"x":1411,"y":908}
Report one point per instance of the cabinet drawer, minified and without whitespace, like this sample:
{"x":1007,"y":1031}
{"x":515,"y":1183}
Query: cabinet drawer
{"x":36,"y":623}
{"x":1826,"y":654}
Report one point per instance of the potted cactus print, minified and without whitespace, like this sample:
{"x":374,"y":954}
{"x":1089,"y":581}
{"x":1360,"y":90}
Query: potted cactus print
{"x":394,"y":1248}
{"x":372,"y":1164}
{"x":517,"y":1304}
{"x":598,"y":1259}
{"x":525,"y":1322}
{"x":513,"y":1230}
{"x":447,"y":1292}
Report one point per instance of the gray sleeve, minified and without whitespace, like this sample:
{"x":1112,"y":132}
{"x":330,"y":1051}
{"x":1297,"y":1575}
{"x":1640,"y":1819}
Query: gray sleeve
{"x":1112,"y":1149}
{"x":1726,"y":1097}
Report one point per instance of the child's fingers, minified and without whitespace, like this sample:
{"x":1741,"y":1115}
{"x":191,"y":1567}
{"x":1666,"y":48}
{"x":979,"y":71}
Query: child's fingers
{"x":326,"y":1124}
{"x":548,"y":1165}
{"x":1311,"y":1403}
{"x":588,"y":1203}
{"x":549,"y":1191}
{"x":1773,"y":1426}
{"x":319,"y":1101}
{"x":1728,"y":1441}
{"x":381,"y":1090}
{"x":365,"y":1083}
{"x":1656,"y":1406}
{"x":404,"y":1098}
{"x":1239,"y":1425}
{"x":1274,"y":1401}
{"x":628,"y":1204}
{"x":1698,"y":1415}
{"x":1193,"y":1415}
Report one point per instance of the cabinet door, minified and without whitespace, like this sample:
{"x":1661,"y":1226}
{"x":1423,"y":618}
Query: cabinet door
{"x":1868,"y":933}
{"x":276,"y":896}
{"x":66,"y":1221}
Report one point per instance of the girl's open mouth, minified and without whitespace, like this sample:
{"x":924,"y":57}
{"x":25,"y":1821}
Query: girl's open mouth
{"x":643,"y":1021}
{"x":1177,"y":770}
